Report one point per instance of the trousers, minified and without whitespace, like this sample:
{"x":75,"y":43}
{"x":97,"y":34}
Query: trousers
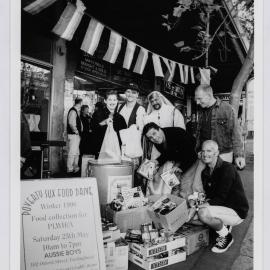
{"x":73,"y":153}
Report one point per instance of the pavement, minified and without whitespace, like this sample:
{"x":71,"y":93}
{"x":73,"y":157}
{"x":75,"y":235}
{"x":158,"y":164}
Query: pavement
{"x":240,"y":255}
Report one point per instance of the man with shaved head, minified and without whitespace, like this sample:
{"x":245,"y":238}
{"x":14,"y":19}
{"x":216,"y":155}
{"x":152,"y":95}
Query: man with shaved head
{"x":218,"y":121}
{"x":226,"y":204}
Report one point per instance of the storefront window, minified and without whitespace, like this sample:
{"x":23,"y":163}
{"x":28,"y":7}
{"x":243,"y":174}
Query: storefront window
{"x":35,"y":98}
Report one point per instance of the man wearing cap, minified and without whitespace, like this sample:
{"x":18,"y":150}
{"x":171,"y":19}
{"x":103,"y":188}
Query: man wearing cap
{"x":74,"y":130}
{"x":133,"y":114}
{"x":131,"y":110}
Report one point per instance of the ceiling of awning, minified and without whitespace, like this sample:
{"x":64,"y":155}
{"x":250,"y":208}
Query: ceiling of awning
{"x":141,"y":22}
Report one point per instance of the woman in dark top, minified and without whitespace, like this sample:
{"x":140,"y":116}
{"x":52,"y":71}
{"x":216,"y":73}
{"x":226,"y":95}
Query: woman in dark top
{"x":102,"y":117}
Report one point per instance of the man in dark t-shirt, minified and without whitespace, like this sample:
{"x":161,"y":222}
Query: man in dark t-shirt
{"x":174,"y":144}
{"x":226,"y":203}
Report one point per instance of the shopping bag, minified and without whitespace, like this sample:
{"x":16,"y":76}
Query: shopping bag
{"x":110,"y":149}
{"x":131,"y":139}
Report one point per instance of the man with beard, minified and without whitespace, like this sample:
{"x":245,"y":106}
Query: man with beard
{"x":162,"y":112}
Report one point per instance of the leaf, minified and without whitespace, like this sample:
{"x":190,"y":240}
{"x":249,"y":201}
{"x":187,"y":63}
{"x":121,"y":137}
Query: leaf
{"x":221,"y":34}
{"x":177,"y":11}
{"x":179,"y":44}
{"x":197,"y":27}
{"x":186,"y":49}
{"x":167,"y":26}
{"x":165,"y":16}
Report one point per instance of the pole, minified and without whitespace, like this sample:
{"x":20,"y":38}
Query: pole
{"x":207,"y":35}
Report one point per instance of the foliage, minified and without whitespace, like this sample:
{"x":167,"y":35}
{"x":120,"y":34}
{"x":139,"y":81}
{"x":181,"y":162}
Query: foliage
{"x":245,"y":13}
{"x":243,"y":9}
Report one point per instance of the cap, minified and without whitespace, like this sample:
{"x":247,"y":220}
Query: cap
{"x":133,"y":86}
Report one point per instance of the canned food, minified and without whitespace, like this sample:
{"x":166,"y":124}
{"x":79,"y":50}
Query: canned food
{"x":146,"y":238}
{"x":162,"y":233}
{"x":154,"y":236}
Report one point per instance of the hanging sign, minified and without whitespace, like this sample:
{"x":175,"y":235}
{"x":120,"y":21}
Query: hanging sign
{"x":61,"y":225}
{"x":93,"y":66}
{"x":174,"y":89}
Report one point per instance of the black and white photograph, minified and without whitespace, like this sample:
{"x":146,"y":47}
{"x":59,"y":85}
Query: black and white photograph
{"x":137,"y":133}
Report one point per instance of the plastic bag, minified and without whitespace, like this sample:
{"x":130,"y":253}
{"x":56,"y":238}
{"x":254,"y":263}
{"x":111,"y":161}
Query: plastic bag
{"x":110,"y":149}
{"x":131,"y":138}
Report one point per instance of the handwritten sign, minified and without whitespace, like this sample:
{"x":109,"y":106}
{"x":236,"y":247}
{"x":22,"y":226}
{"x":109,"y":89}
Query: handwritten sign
{"x":61,"y":225}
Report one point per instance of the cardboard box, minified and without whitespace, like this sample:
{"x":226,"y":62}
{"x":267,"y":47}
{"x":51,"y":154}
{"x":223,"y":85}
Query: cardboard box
{"x":110,"y":236}
{"x":128,"y":219}
{"x":157,"y":249}
{"x":173,"y":220}
{"x":196,"y":237}
{"x":159,"y":263}
{"x":116,"y":256}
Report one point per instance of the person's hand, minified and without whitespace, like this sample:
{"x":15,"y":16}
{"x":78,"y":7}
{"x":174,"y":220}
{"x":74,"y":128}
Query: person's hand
{"x":175,"y":169}
{"x":240,"y":162}
{"x":191,"y":203}
{"x":109,"y":120}
{"x":22,"y":161}
{"x":203,"y":205}
{"x":156,"y":166}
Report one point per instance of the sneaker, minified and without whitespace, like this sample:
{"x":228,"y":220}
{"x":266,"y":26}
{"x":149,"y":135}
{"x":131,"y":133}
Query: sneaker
{"x":223,"y":243}
{"x":229,"y":227}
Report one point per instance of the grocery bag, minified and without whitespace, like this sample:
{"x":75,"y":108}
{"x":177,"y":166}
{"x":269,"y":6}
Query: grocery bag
{"x":131,"y":138}
{"x":110,"y":149}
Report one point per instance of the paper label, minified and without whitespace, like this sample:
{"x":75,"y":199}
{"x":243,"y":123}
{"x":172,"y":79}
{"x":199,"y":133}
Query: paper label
{"x":170,"y":179}
{"x":115,"y":183}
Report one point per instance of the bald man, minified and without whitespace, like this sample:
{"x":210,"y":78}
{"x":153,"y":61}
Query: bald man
{"x":218,"y":121}
{"x":226,"y":204}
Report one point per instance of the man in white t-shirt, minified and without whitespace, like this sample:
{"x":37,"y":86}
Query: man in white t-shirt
{"x":162,"y":112}
{"x":131,"y":110}
{"x":133,"y":114}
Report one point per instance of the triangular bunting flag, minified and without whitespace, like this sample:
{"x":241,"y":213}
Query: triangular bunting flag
{"x":131,"y":46}
{"x":69,"y":20}
{"x":92,"y":36}
{"x":186,"y":68}
{"x":37,"y":6}
{"x":114,"y":48}
{"x":157,"y":66}
{"x":141,"y":61}
{"x":205,"y":75}
{"x":171,"y":68}
{"x":192,"y":75}
{"x":182,"y":79}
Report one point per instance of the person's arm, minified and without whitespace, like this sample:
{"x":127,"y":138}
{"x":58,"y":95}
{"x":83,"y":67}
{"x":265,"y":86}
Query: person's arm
{"x":72,"y":121}
{"x":237,"y":140}
{"x":162,"y":159}
{"x":178,"y":119}
{"x":223,"y":186}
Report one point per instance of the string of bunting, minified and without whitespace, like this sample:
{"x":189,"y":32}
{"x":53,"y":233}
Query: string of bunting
{"x":70,"y":20}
